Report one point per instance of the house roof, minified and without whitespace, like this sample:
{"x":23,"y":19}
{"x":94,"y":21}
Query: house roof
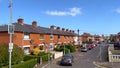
{"x":32,"y":29}
{"x":86,"y":34}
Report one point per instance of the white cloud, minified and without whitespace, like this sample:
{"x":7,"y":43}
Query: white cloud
{"x":117,"y":10}
{"x":72,"y":12}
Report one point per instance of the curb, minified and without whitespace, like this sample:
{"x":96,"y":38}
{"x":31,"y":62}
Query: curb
{"x":98,"y":65}
{"x":44,"y":66}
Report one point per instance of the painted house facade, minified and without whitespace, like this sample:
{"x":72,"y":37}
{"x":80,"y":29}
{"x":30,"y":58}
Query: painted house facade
{"x":115,"y":37}
{"x":30,"y":36}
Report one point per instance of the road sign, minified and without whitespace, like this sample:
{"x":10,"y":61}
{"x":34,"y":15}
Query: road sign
{"x":10,"y":28}
{"x":10,"y":46}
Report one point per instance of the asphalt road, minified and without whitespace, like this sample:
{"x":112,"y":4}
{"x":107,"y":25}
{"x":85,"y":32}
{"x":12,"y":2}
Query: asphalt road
{"x":82,"y":59}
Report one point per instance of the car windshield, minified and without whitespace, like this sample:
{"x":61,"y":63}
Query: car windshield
{"x":66,"y":58}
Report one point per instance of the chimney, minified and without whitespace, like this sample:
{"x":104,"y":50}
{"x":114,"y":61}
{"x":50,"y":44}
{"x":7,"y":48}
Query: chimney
{"x":67,"y":30}
{"x":52,"y":27}
{"x":73,"y":31}
{"x":58,"y":28}
{"x":34,"y":23}
{"x":63,"y":29}
{"x":20,"y":21}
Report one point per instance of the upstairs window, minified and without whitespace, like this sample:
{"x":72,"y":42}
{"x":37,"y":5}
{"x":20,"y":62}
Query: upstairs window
{"x":64,"y":37}
{"x":58,"y":36}
{"x":41,"y":36}
{"x":26,"y":35}
{"x":51,"y":37}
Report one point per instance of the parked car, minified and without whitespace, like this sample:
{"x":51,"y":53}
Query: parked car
{"x":84,"y":49}
{"x":67,"y":59}
{"x":90,"y":46}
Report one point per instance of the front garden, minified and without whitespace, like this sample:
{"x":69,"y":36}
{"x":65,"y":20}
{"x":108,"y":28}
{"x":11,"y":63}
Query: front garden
{"x":19,"y":60}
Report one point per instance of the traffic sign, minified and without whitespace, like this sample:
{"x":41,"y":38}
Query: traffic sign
{"x":10,"y":46}
{"x":10,"y":28}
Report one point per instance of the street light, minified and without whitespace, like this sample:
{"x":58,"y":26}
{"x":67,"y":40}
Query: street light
{"x":78,"y":36}
{"x":10,"y":31}
{"x":64,"y":48}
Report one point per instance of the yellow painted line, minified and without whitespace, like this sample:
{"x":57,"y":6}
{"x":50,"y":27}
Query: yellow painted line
{"x":98,"y":65}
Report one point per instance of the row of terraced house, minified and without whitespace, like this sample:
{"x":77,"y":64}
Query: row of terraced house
{"x":30,"y":36}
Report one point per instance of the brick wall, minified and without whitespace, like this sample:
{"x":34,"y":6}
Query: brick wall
{"x":4,"y":37}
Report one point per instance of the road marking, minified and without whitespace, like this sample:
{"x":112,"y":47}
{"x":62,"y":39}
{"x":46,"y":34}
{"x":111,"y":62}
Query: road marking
{"x":99,"y":66}
{"x":45,"y":65}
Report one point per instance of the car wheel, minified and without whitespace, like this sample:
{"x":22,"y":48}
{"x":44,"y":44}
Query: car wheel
{"x":70,"y":64}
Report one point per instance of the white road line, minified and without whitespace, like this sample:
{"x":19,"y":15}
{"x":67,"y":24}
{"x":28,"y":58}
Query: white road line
{"x":45,"y":65}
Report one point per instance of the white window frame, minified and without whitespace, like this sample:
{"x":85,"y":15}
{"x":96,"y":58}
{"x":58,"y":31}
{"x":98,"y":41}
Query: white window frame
{"x":26,"y":36}
{"x":28,"y":48}
{"x":41,"y":37}
{"x":51,"y":37}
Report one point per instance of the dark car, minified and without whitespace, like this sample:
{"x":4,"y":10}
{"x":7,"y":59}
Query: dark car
{"x":67,"y":59}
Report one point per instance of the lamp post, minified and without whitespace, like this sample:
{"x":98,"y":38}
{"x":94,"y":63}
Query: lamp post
{"x":10,"y":31}
{"x":64,"y":48}
{"x":78,"y":36}
{"x":52,"y":40}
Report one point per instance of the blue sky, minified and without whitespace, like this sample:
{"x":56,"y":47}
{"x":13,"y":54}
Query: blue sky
{"x":92,"y":16}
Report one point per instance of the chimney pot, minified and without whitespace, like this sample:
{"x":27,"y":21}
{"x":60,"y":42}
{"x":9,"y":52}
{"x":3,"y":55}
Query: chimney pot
{"x":52,"y":27}
{"x":34,"y":23}
{"x":63,"y":29}
{"x":73,"y":31}
{"x":20,"y":21}
{"x":58,"y":28}
{"x":67,"y":30}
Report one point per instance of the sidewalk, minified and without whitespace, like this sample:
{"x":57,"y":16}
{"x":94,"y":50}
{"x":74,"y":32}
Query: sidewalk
{"x":108,"y":64}
{"x":45,"y":64}
{"x":104,"y":60}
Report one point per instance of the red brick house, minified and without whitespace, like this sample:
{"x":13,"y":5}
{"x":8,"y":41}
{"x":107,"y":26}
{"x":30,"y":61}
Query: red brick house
{"x":29,"y":36}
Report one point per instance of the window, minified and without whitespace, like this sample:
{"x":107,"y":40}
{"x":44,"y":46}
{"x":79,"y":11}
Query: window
{"x":41,"y":36}
{"x":64,"y":37}
{"x":41,"y":47}
{"x":51,"y":37}
{"x":26,"y":50}
{"x":58,"y":36}
{"x":26,"y":35}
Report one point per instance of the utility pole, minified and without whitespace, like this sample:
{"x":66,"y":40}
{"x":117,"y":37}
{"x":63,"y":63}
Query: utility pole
{"x":10,"y":31}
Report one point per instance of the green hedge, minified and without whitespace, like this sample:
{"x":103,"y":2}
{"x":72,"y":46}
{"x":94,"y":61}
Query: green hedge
{"x":71,"y":47}
{"x":44,"y":58}
{"x":66,"y":50}
{"x":28,"y":57}
{"x":68,"y":47}
{"x":17,"y":55}
{"x":27,"y":64}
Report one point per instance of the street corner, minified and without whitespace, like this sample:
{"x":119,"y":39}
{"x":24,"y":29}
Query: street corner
{"x":101,"y":64}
